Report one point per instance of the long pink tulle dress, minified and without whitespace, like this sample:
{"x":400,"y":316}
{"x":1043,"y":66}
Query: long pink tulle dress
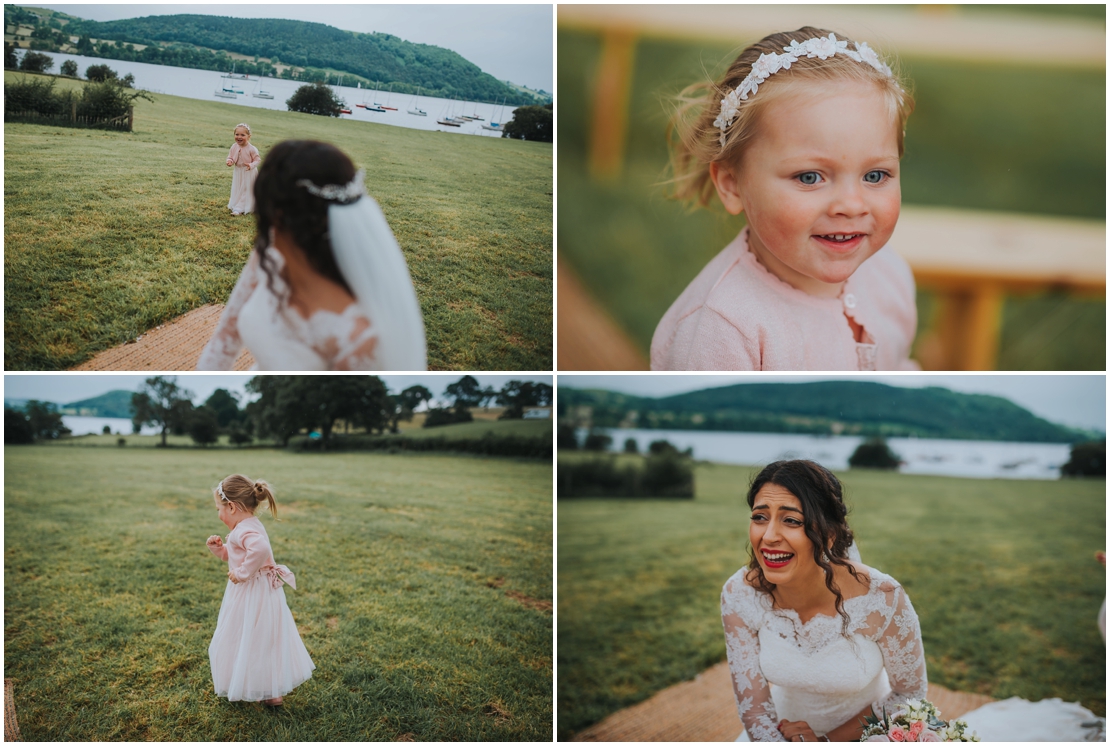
{"x":256,"y":652}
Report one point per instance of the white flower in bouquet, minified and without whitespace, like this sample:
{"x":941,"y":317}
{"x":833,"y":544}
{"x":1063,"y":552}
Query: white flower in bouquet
{"x":916,"y":721}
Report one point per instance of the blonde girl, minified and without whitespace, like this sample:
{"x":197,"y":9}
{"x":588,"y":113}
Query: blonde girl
{"x":803,"y":134}
{"x":244,"y":158}
{"x":256,"y":652}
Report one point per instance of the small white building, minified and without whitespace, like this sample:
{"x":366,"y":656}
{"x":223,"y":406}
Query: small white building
{"x":537,"y":413}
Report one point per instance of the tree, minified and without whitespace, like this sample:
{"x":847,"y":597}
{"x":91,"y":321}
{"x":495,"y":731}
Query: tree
{"x":411,"y":398}
{"x":532,"y":123}
{"x":488,"y":394}
{"x":69,"y":69}
{"x":597,"y":442}
{"x":238,"y":435}
{"x":204,"y":426}
{"x":565,"y":438}
{"x":466,"y":392}
{"x":84,"y":45}
{"x":17,"y":428}
{"x":159,"y":402}
{"x":36,"y":62}
{"x":631,"y":446}
{"x":100,"y":73}
{"x":46,"y":422}
{"x":226,"y":406}
{"x":1087,"y":460}
{"x":516,"y":395}
{"x":11,"y":61}
{"x":289,"y":404}
{"x":315,"y":99}
{"x":874,"y":453}
{"x":107,"y":430}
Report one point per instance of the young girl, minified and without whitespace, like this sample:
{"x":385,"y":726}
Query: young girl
{"x":256,"y":653}
{"x":803,"y":135}
{"x":245,"y":158}
{"x":326,"y":287}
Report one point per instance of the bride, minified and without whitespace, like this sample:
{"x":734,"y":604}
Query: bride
{"x":816,"y":640}
{"x":326,"y":287}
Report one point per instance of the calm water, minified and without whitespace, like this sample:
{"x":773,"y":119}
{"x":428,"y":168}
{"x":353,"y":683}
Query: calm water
{"x":956,"y":458}
{"x":86,"y":425}
{"x":188,"y":83}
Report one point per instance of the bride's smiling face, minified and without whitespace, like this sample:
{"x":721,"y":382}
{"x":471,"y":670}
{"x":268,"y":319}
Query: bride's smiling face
{"x":778,"y":536}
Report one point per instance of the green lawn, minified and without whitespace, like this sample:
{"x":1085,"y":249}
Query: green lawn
{"x":992,"y":137}
{"x":108,"y":234}
{"x":1002,"y":574}
{"x":416,"y":575}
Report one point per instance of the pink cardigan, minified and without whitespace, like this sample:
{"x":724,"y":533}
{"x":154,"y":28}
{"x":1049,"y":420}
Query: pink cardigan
{"x":736,"y":315}
{"x":249,"y":153}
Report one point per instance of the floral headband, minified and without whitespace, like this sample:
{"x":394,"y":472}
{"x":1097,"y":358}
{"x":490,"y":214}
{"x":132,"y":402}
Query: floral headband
{"x":343,"y":194}
{"x":769,"y":64}
{"x":220,"y":489}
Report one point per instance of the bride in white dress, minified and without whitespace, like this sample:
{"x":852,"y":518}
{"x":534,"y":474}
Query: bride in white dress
{"x":326,"y":287}
{"x":816,"y":640}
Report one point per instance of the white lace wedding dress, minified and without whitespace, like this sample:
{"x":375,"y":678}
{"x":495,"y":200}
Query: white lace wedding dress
{"x":783,"y":668}
{"x":278,"y":336}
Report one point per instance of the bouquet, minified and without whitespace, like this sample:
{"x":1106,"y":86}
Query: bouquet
{"x":918,"y":721}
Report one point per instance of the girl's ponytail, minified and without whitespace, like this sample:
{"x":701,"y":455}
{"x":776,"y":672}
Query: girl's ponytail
{"x":262,"y":493}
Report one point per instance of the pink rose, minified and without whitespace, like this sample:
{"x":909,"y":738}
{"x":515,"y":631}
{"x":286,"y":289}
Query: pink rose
{"x":898,"y":734}
{"x":929,"y":737}
{"x":880,"y":738}
{"x":916,"y":728}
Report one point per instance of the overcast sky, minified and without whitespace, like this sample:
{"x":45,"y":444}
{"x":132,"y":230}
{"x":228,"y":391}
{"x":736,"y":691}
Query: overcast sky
{"x":1078,"y":401}
{"x":65,"y":388}
{"x":510,"y":42}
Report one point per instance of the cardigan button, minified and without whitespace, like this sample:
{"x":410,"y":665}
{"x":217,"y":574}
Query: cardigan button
{"x":849,"y":301}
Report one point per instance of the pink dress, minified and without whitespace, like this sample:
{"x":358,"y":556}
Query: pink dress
{"x":736,"y":315}
{"x":244,"y":173}
{"x":256,"y":652}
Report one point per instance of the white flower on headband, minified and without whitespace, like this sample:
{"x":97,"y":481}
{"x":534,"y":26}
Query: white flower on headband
{"x":220,"y":489}
{"x":769,"y":64}
{"x":344,"y":194}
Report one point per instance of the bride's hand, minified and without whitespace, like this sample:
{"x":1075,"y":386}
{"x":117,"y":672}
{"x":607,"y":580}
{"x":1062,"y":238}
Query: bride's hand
{"x":797,"y":730}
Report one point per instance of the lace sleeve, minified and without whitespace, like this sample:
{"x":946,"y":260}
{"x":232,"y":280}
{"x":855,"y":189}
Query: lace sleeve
{"x":224,"y":346}
{"x":753,"y":693}
{"x":358,"y":352}
{"x":903,"y":652}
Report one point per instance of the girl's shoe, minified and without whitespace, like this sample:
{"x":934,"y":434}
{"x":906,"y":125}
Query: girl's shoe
{"x":275,"y":702}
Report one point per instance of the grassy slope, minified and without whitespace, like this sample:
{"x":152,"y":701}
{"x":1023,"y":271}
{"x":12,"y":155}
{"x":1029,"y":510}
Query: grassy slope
{"x":110,"y":234}
{"x":983,"y":137}
{"x":1001,"y":573}
{"x":403,"y":566}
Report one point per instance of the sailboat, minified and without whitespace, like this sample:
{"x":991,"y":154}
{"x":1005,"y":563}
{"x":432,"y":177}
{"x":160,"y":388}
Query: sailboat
{"x":232,"y":74}
{"x":448,"y":121}
{"x":385,"y":106}
{"x":495,"y":126}
{"x":416,"y":110}
{"x":259,"y":93}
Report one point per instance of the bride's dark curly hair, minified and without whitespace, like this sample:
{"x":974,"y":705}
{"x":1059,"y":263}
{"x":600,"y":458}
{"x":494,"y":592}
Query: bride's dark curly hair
{"x":824,"y":514}
{"x":280,"y":203}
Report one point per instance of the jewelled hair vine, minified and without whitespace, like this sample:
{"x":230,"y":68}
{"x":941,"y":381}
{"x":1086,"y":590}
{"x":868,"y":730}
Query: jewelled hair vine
{"x":343,"y":194}
{"x":769,"y":64}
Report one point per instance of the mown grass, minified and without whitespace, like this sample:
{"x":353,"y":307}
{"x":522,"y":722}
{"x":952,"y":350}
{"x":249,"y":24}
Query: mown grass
{"x":991,"y":137}
{"x":416,"y":576}
{"x":110,"y":234}
{"x":1002,"y":575}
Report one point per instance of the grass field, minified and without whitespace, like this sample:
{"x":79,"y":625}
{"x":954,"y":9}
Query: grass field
{"x":989,"y":137}
{"x":421,"y":582}
{"x":1002,"y":575}
{"x":109,"y":234}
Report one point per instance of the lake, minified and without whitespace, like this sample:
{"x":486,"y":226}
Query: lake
{"x":86,"y":425}
{"x":201,"y":84}
{"x":954,"y":458}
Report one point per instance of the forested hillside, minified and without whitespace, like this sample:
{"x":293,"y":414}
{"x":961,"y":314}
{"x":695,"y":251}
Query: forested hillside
{"x":848,"y":407}
{"x":310,"y":49}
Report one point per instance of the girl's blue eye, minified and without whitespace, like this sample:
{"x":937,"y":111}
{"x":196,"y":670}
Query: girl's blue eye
{"x":874,"y":177}
{"x":809,"y":178}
